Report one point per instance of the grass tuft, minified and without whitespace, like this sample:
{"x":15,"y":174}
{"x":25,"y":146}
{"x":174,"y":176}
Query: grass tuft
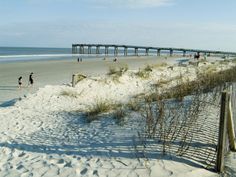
{"x":145,"y":72}
{"x":158,"y":65}
{"x":100,"y":107}
{"x":117,"y":72}
{"x":134,"y":105}
{"x":69,"y":93}
{"x":119,"y":115}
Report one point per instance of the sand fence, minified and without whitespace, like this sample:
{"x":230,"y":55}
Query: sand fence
{"x":199,"y":128}
{"x":226,"y":139}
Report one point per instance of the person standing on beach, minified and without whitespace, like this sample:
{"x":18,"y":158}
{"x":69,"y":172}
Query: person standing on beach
{"x":20,"y":82}
{"x":31,"y":81}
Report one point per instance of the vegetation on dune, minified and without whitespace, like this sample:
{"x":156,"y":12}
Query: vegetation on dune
{"x":119,"y":115}
{"x":100,"y":107}
{"x":117,"y":71}
{"x":171,"y":118}
{"x":145,"y":72}
{"x":206,"y":80}
{"x":70,"y":93}
{"x":134,"y":105}
{"x":158,"y":65}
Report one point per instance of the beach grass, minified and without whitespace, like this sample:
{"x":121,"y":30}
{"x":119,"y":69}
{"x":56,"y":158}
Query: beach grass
{"x":69,"y":93}
{"x":117,"y":71}
{"x":100,"y":107}
{"x":163,"y":121}
{"x":119,"y":115}
{"x":158,"y":65}
{"x":145,"y":72}
{"x":134,"y":104}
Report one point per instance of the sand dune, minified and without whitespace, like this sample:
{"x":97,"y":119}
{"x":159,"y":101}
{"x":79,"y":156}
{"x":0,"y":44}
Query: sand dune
{"x":46,"y":133}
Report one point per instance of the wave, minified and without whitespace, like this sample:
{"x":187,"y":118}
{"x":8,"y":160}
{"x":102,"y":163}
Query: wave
{"x":41,"y":57}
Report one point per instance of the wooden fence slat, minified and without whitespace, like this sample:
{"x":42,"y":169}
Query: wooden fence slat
{"x":73,"y":80}
{"x":230,"y":127}
{"x":222,"y":132}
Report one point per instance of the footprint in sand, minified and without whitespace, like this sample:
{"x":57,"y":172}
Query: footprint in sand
{"x":84,"y":171}
{"x":61,"y":163}
{"x":95,"y":172}
{"x":19,"y":167}
{"x":68,"y":164}
{"x":21,"y":154}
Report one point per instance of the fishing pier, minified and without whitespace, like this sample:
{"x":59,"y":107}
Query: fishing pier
{"x":109,"y":49}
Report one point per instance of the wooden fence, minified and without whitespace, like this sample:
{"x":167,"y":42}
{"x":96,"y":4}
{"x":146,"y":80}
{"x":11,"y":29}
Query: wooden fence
{"x":233,"y":102}
{"x":227,"y":125}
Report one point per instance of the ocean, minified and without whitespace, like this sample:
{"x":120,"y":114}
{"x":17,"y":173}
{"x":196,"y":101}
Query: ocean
{"x":13,"y":54}
{"x":18,"y":54}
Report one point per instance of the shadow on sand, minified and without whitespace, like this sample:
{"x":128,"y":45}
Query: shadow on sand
{"x":9,"y":103}
{"x":104,"y":138}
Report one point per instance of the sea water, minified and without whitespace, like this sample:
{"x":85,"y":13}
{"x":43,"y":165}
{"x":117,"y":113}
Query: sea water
{"x":13,"y":54}
{"x":17,"y":54}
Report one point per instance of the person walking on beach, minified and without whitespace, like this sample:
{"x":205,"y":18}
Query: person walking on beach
{"x":20,"y":82}
{"x":31,"y":81}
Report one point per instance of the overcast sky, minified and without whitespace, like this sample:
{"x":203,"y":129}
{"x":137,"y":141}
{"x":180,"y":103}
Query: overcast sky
{"x":203,"y":24}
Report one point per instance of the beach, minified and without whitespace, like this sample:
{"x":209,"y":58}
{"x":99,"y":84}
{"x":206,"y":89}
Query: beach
{"x":45,"y":133}
{"x":54,"y":72}
{"x":117,"y":88}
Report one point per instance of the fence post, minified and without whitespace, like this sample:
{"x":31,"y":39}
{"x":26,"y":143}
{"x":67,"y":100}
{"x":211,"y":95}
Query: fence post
{"x":222,"y":131}
{"x":230,"y":127}
{"x":73,"y":80}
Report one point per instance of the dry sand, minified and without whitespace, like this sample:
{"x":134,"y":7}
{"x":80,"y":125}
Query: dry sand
{"x":45,"y":133}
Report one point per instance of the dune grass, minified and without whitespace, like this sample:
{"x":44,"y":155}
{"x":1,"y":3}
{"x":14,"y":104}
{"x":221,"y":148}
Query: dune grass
{"x":101,"y":107}
{"x":145,"y":72}
{"x":119,"y":115}
{"x":117,"y":71}
{"x":70,"y":93}
{"x":162,"y":112}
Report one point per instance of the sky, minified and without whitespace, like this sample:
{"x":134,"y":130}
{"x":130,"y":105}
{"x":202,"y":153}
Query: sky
{"x":197,"y":24}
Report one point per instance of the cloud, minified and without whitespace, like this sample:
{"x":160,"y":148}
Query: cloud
{"x":130,"y":3}
{"x":215,"y":36}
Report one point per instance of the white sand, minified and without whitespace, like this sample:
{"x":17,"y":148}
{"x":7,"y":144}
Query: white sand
{"x":45,"y":133}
